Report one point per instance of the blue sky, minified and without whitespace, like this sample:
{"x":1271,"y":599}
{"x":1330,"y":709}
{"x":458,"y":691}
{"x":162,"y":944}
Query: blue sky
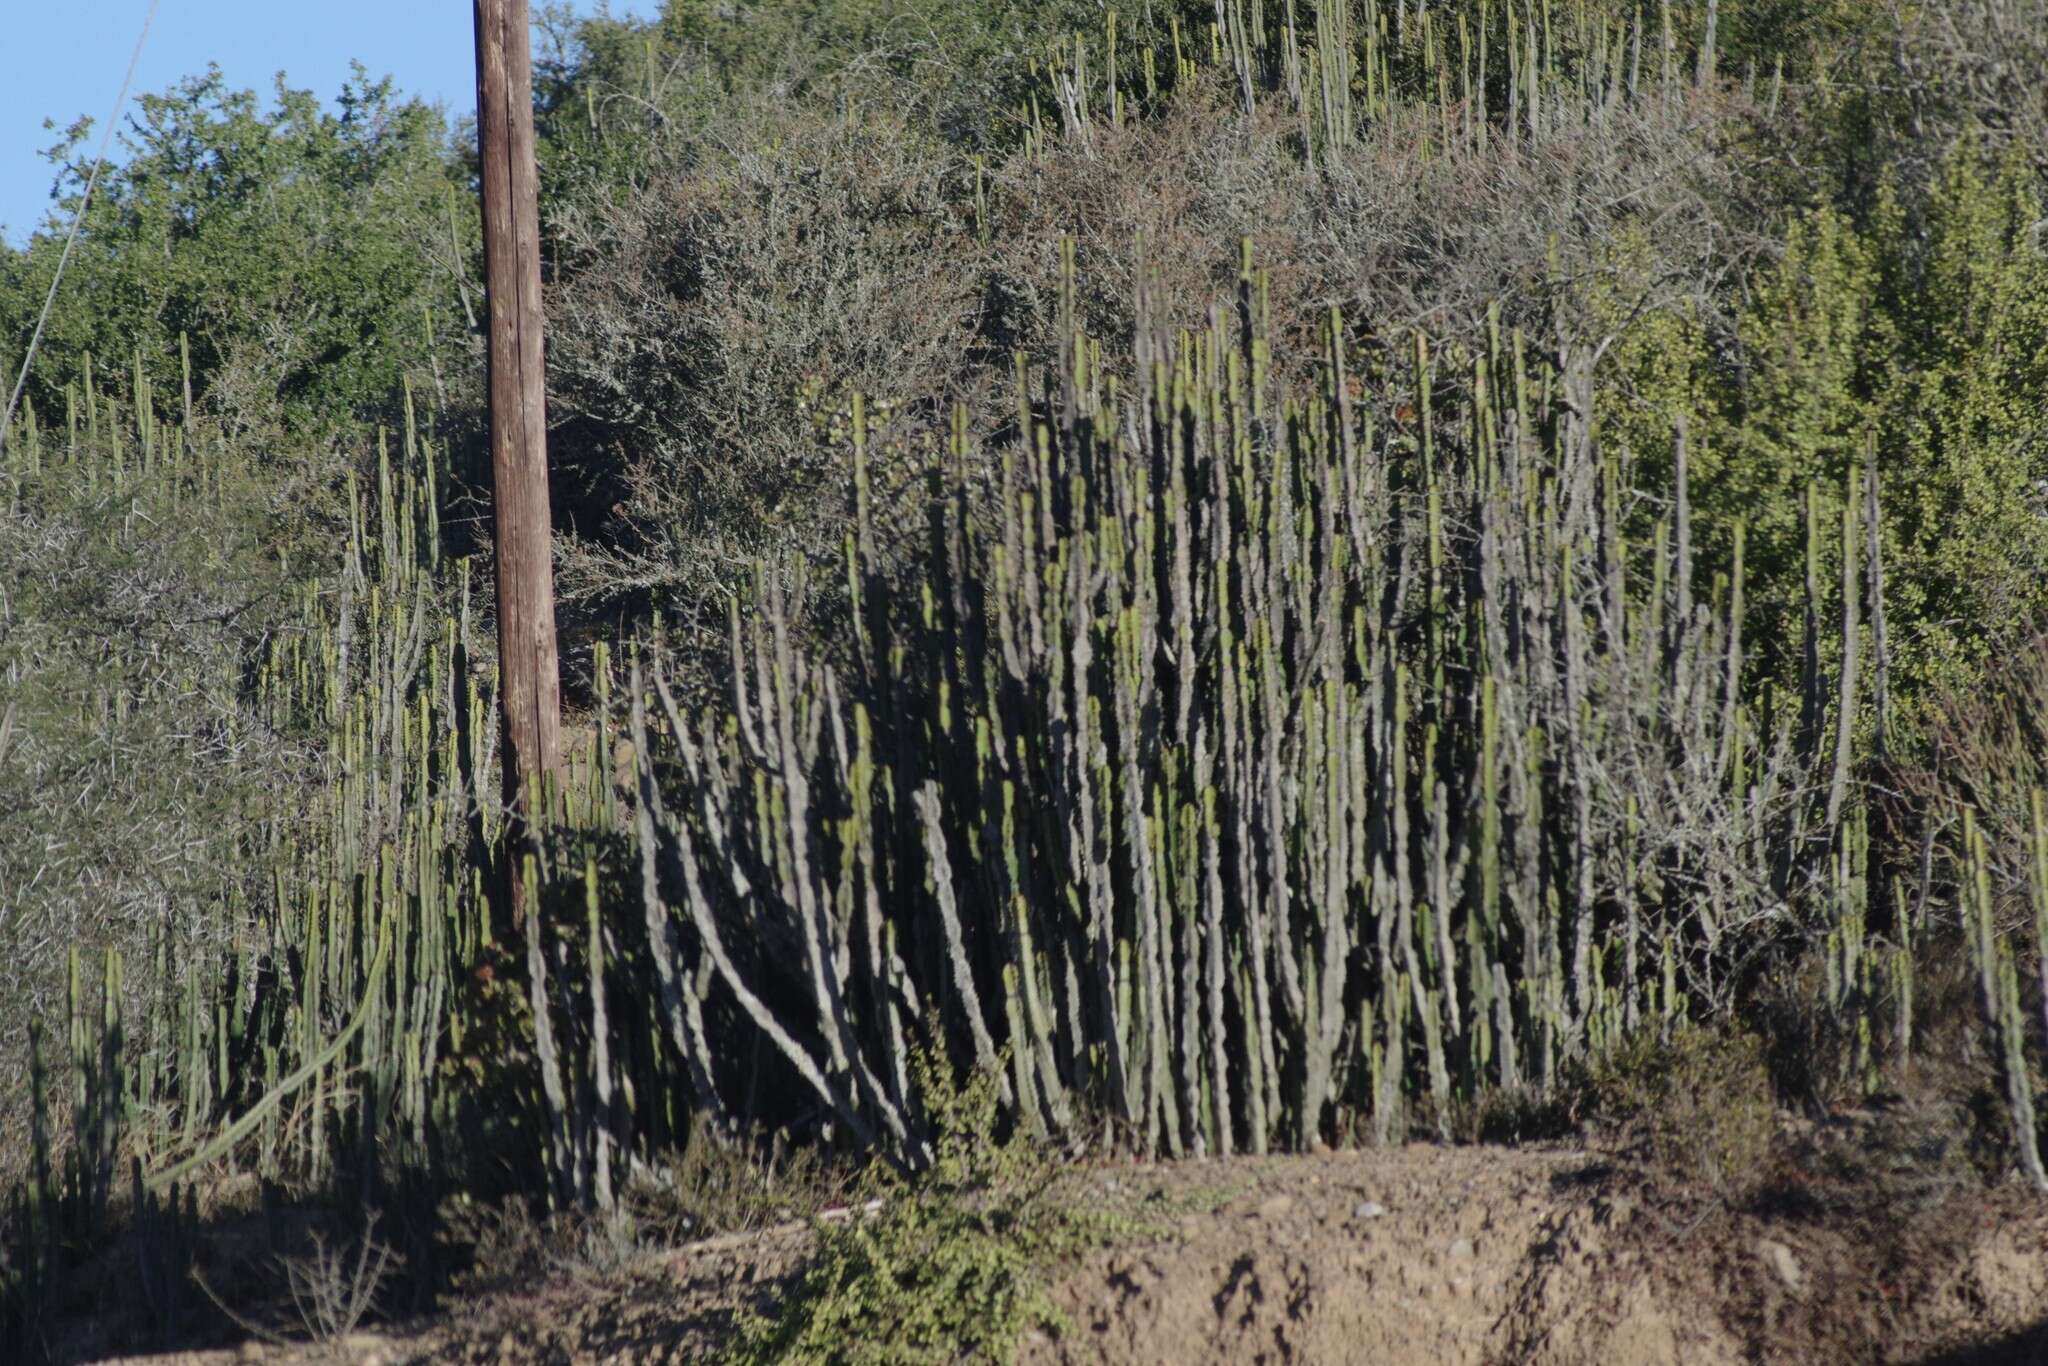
{"x":66,"y":59}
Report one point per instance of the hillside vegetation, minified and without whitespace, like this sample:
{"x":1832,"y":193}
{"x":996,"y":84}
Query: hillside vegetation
{"x":1226,"y":578}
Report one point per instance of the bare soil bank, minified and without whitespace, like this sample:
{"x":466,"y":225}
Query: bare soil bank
{"x":1446,"y":1256}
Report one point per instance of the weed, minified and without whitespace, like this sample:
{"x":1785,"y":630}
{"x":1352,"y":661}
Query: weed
{"x":333,"y":1290}
{"x":1698,"y":1100}
{"x":724,"y":1184}
{"x":331,"y":1287}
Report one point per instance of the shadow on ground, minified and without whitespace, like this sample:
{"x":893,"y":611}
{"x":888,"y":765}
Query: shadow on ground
{"x":2029,"y":1348}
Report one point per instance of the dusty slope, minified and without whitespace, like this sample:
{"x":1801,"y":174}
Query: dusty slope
{"x":1482,"y":1255}
{"x":1450,"y":1256}
{"x":1439,"y":1255}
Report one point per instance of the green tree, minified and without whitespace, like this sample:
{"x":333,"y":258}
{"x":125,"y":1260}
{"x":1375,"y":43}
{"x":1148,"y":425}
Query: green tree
{"x":313,"y":257}
{"x":1965,"y":415}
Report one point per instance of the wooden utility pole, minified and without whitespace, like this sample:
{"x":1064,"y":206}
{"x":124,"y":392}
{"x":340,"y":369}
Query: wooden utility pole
{"x":529,"y":688}
{"x":528,"y":682}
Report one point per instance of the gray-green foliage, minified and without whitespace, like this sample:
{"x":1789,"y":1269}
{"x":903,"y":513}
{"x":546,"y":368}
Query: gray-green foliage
{"x":138,"y":789}
{"x":230,"y":799}
{"x":956,"y":69}
{"x":741,"y":295}
{"x":760,"y":267}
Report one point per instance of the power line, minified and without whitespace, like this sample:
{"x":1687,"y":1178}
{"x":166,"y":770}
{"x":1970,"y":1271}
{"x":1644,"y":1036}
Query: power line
{"x":77,"y":222}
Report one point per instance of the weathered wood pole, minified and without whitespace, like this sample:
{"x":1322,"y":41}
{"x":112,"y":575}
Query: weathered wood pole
{"x":529,"y":684}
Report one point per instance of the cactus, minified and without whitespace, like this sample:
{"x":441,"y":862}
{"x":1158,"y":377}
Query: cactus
{"x":1302,"y":780}
{"x":1270,"y":739}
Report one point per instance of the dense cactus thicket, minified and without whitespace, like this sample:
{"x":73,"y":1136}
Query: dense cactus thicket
{"x":1242,"y":765}
{"x":1253,"y":775}
{"x":365,"y":682}
{"x":1248,"y":726}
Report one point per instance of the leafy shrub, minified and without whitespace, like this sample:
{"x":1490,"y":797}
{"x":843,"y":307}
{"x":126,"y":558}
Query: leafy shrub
{"x":958,"y":68}
{"x":1698,"y":1098}
{"x":952,"y":1264}
{"x":726,"y":305}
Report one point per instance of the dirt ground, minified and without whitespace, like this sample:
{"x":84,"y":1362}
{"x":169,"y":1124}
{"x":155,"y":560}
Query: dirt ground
{"x":1439,"y":1255}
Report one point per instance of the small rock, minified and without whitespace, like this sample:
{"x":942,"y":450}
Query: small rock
{"x":1780,"y":1259}
{"x":249,"y":1351}
{"x":1368,"y":1209}
{"x":1276,"y":1207}
{"x":1462,"y":1250}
